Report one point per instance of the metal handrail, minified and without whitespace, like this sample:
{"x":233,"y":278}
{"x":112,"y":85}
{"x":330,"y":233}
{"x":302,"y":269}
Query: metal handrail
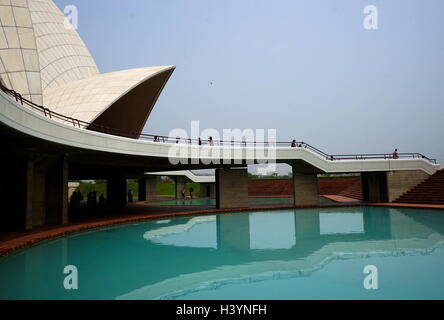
{"x":165,"y":139}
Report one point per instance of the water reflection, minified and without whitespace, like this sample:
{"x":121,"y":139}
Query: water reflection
{"x":275,"y":230}
{"x":174,"y":257}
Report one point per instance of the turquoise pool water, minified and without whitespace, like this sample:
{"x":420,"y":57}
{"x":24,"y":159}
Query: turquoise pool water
{"x":287,"y":254}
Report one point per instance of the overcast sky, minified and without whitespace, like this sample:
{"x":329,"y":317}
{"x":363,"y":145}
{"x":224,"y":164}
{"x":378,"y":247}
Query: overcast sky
{"x":307,"y":68}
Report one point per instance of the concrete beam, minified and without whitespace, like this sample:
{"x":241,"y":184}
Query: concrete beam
{"x":305,"y":189}
{"x":231,"y":188}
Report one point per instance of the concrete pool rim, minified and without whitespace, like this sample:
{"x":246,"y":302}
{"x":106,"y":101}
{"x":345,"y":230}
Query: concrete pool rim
{"x":16,"y":245}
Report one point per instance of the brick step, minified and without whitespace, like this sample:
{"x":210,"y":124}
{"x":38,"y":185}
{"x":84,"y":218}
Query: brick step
{"x":421,"y":198}
{"x":426,"y":188}
{"x":430,"y":191}
{"x":421,"y":201}
{"x":431,"y":196}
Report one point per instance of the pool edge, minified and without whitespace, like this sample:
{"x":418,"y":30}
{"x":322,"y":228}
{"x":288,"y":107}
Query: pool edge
{"x":9,"y":247}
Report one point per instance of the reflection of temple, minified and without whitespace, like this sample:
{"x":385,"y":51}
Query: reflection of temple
{"x":173,"y":256}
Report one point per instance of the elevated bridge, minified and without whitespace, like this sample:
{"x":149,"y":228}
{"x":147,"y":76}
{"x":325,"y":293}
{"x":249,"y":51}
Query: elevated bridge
{"x":43,"y":150}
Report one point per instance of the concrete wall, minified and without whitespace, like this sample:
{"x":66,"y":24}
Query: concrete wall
{"x":305,"y":190}
{"x":399,"y":182}
{"x":231,"y":188}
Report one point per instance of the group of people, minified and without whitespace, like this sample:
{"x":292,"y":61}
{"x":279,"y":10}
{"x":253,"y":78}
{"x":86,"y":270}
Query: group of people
{"x":199,"y":141}
{"x":91,"y":200}
{"x":76,"y":199}
{"x":294,"y":144}
{"x":184,"y":193}
{"x":210,"y":141}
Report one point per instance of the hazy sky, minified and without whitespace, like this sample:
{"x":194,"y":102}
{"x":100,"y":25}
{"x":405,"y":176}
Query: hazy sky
{"x":306,"y":68}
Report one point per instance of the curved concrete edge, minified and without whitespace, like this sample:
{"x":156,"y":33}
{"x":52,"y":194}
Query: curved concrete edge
{"x":10,"y":246}
{"x":123,"y":73}
{"x":133,"y":107}
{"x":30,"y":122}
{"x":124,"y":98}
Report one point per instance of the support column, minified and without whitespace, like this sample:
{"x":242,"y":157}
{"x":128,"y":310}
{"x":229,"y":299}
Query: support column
{"x":180,"y":184}
{"x":208,"y":190}
{"x":116,"y":191}
{"x":147,"y":188}
{"x":16,"y":189}
{"x":231,"y":188}
{"x":57,"y":192}
{"x":305,"y":189}
{"x":39,"y":194}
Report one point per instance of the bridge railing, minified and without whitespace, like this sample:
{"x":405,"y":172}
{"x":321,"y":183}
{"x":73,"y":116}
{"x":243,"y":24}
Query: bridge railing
{"x":200,"y":142}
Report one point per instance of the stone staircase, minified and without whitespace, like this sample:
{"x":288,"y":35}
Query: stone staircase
{"x":430,"y":191}
{"x":345,"y":187}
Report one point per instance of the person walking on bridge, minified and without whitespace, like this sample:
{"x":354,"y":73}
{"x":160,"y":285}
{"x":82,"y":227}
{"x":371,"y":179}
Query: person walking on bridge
{"x":395,"y":154}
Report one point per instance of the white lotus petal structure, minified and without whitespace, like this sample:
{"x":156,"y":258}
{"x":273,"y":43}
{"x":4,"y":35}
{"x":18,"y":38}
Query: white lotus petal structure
{"x":46,"y":61}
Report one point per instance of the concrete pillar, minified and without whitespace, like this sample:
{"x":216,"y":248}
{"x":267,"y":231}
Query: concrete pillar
{"x":116,"y":198}
{"x":374,"y":186}
{"x":141,"y":184}
{"x":57,"y":192}
{"x":16,"y":191}
{"x":399,"y":182}
{"x":39,"y":195}
{"x":147,"y":188}
{"x":305,"y":189}
{"x":208,"y":190}
{"x":180,"y":184}
{"x":231,"y":188}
